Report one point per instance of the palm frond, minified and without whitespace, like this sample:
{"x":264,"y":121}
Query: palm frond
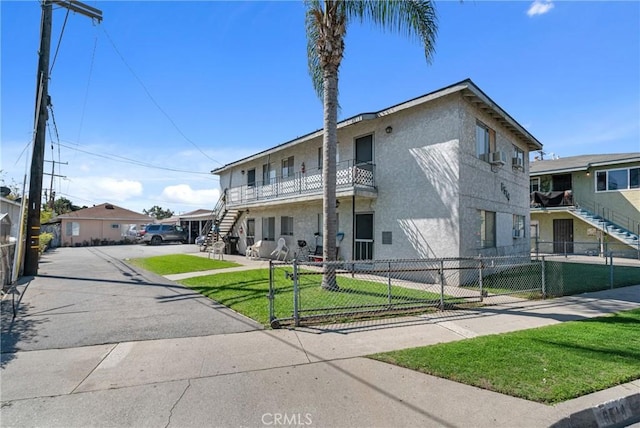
{"x":312,"y":21}
{"x":416,"y":19}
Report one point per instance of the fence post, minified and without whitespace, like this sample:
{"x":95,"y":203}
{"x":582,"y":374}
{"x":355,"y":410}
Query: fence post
{"x":441,"y":284}
{"x":544,"y":280}
{"x":389,"y":283}
{"x":271,"y":294}
{"x":480,"y":266}
{"x":611,"y":269}
{"x":565,"y":249}
{"x":296,"y":315}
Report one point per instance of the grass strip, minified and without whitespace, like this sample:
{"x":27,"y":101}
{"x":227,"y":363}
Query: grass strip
{"x":548,"y":364}
{"x":246,"y":292}
{"x":180,"y":263}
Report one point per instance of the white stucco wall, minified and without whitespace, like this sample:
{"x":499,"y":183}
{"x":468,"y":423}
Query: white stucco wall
{"x":430,"y":185}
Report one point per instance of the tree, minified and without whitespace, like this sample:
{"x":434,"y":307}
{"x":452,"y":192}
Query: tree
{"x":326,"y":25}
{"x":63,"y":205}
{"x":158,"y":213}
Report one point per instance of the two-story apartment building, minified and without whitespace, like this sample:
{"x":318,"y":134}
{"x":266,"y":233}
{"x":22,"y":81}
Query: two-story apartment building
{"x":587,"y":204}
{"x":442,"y":175}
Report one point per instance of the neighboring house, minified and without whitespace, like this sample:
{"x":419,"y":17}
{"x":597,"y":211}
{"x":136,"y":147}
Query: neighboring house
{"x":587,"y":204}
{"x":441,"y":175}
{"x":101,"y":224}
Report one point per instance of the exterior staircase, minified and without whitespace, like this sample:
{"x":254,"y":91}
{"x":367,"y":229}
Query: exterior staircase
{"x":620,"y":233}
{"x":221,"y":223}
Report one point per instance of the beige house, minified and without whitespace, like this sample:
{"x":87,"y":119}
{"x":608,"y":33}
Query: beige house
{"x":442,"y":175}
{"x":588,"y":204}
{"x":101,"y":224}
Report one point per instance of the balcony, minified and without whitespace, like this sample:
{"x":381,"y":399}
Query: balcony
{"x":559,"y":199}
{"x":351,"y":179}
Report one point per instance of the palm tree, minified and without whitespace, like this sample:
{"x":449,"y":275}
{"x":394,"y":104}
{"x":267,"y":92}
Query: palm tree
{"x":326,"y":24}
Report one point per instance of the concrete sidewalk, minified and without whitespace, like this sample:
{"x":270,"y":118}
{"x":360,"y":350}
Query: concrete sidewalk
{"x":308,"y":376}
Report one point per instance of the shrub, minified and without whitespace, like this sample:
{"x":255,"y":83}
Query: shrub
{"x":45,"y":239}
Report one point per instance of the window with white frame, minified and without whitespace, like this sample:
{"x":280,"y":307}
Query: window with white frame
{"x":487,"y":229}
{"x":286,"y":225}
{"x":485,"y":141}
{"x":269,"y":228}
{"x":287,"y":167}
{"x":518,"y":226}
{"x":518,"y":158}
{"x":534,"y":184}
{"x":268,"y":174}
{"x":72,"y":228}
{"x":618,"y":179}
{"x":251,"y":231}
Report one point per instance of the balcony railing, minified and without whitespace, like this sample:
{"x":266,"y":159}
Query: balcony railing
{"x":348,"y":176}
{"x":562,"y":198}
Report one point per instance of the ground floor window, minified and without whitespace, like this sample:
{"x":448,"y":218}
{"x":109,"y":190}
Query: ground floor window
{"x":286,"y":225}
{"x":73,"y":228}
{"x":487,"y":229}
{"x":251,"y":231}
{"x":269,"y":228}
{"x":518,"y":226}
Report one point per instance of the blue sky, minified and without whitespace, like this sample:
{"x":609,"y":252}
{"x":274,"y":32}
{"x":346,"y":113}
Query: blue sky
{"x":184,"y":87}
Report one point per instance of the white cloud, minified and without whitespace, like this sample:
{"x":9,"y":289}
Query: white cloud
{"x":184,"y":194}
{"x":103,"y":189}
{"x":540,"y":7}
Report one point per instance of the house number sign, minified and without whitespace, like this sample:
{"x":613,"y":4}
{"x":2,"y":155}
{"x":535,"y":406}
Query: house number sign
{"x":505,"y":192}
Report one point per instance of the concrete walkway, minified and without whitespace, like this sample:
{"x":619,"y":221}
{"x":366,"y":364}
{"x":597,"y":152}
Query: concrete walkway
{"x":314,"y":376}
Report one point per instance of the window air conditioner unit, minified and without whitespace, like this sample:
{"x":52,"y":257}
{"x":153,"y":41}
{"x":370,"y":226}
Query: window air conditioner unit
{"x":516,"y":233}
{"x":497,"y":158}
{"x":517,"y":163}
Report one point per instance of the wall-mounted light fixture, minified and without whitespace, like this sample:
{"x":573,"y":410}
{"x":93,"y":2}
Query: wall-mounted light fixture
{"x":588,"y":173}
{"x":337,"y":203}
{"x":388,"y":130}
{"x":242,"y":172}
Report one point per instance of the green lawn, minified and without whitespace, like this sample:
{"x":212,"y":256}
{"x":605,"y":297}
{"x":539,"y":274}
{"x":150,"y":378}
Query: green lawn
{"x":179,"y":263}
{"x":562,"y":279}
{"x":246,"y":292}
{"x":548,"y":364}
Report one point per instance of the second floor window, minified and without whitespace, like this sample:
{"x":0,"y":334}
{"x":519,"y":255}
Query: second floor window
{"x":268,"y":174}
{"x":618,"y":179}
{"x":485,"y":141}
{"x":287,"y":167}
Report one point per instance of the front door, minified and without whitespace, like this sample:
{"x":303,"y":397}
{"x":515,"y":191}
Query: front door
{"x":563,"y":236}
{"x":364,"y":237}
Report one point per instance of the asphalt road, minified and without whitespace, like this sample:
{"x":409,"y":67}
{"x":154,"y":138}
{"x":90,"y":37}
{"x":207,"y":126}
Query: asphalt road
{"x":91,"y":296}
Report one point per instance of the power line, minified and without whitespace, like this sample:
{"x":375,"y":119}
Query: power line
{"x":55,"y":55}
{"x":118,"y":158}
{"x":153,"y":100}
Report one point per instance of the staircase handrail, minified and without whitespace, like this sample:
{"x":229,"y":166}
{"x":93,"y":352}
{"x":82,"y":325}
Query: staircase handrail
{"x":215,"y":213}
{"x":610,"y":215}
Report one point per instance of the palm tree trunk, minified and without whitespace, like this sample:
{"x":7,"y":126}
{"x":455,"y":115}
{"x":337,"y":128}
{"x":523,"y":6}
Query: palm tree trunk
{"x":330,"y":142}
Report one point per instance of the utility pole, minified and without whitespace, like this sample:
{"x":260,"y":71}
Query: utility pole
{"x":51,"y":198}
{"x":42,"y":102}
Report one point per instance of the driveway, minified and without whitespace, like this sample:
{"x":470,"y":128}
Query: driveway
{"x":90,"y":296}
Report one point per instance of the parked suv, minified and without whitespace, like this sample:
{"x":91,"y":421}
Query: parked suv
{"x":158,"y":233}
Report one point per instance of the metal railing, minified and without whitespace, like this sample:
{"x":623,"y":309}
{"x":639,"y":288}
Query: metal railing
{"x":584,"y":248}
{"x":348,"y":175}
{"x":613,"y":216}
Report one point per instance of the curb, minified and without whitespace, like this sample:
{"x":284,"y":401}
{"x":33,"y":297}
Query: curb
{"x":611,"y":414}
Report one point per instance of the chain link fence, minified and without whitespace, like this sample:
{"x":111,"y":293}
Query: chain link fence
{"x":313,"y":292}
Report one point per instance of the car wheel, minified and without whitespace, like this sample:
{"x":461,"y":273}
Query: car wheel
{"x":156,"y":240}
